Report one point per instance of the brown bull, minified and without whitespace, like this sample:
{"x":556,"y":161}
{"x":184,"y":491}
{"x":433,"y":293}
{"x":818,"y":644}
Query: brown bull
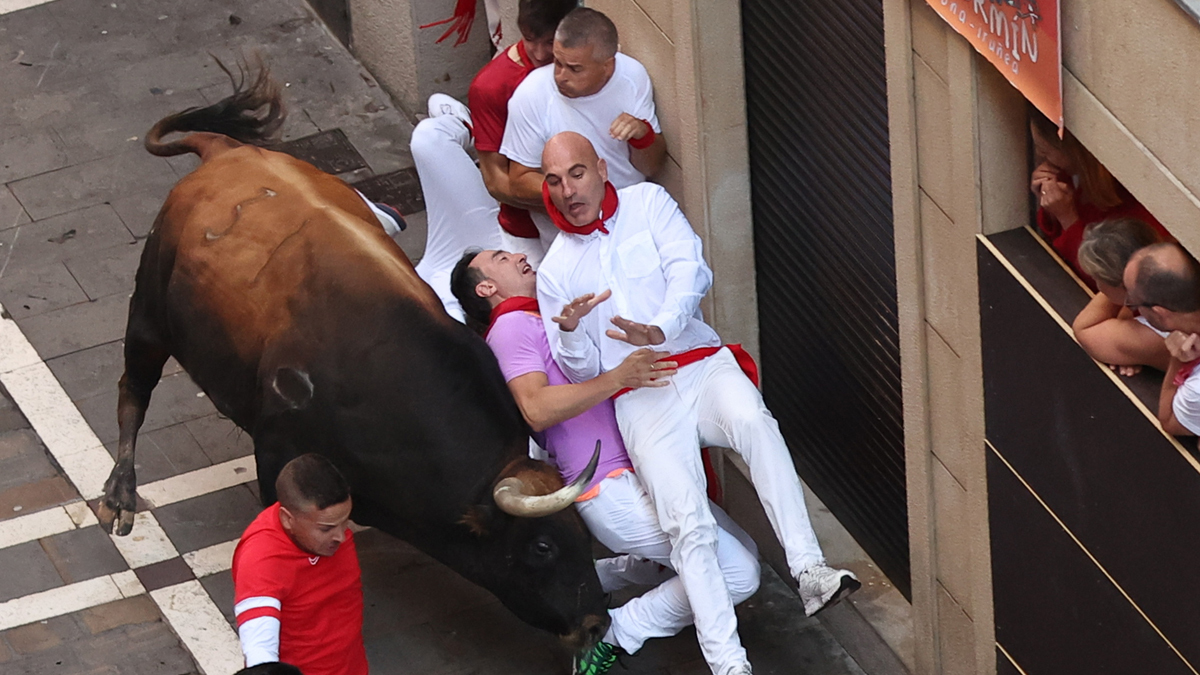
{"x":277,"y":290}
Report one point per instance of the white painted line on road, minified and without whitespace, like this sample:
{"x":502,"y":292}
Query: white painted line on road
{"x":7,"y":6}
{"x":59,"y":601}
{"x":187,"y":607}
{"x":35,"y":526}
{"x":67,"y":517}
{"x":200,"y":482}
{"x":128,"y":583}
{"x":146,"y":544}
{"x":201,"y":626}
{"x":81,"y":514}
{"x":15,"y":350}
{"x":59,"y":425}
{"x":215,"y":558}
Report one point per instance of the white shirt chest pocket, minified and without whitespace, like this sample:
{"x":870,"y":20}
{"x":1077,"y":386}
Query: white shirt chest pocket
{"x":638,"y":255}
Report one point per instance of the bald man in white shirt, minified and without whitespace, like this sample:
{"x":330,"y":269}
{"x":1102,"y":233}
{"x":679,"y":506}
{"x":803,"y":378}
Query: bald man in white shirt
{"x":628,"y":261}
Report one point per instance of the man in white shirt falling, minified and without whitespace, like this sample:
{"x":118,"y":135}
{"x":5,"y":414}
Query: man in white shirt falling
{"x":629,"y":261}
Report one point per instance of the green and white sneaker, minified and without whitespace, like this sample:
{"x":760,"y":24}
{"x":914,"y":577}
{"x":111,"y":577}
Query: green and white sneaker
{"x":596,"y":661}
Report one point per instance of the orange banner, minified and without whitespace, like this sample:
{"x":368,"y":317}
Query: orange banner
{"x":1021,"y":38}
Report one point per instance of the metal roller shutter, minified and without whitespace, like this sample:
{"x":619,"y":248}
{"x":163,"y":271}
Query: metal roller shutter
{"x":816,"y":97}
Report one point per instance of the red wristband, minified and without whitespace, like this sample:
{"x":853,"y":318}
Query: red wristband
{"x":645,"y":141}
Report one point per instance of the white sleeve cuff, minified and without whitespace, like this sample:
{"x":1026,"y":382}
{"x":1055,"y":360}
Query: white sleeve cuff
{"x":574,"y":343}
{"x":671,"y":324}
{"x":260,"y":640}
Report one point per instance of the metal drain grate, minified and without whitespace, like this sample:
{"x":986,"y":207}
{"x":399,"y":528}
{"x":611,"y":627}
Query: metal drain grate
{"x":330,"y":151}
{"x":399,"y":189}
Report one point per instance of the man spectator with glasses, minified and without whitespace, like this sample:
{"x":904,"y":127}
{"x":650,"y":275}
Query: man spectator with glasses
{"x":1162,"y":282}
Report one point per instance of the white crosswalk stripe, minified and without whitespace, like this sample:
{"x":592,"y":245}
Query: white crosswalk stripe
{"x":211,"y":560}
{"x":35,"y":526}
{"x":199,"y":482}
{"x":7,"y":6}
{"x":59,"y":601}
{"x":187,"y":607}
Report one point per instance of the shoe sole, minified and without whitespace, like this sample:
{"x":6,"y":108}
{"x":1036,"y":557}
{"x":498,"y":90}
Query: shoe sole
{"x":848,"y":586}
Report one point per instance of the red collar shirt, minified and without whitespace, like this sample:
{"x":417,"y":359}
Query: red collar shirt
{"x":488,"y":100}
{"x":296,"y":608}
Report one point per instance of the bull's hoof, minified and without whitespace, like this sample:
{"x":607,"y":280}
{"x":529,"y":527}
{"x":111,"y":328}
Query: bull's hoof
{"x":123,"y":518}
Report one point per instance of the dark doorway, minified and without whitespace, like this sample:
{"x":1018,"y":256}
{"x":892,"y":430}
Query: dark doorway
{"x":336,"y":15}
{"x":816,"y":97}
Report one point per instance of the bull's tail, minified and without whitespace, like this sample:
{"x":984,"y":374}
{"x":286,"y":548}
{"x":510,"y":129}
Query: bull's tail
{"x":251,"y":114}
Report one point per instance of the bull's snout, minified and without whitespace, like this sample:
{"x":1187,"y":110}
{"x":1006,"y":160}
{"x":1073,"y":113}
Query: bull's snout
{"x":588,"y":633}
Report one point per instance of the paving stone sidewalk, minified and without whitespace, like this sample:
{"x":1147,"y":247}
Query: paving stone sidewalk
{"x":83,"y":81}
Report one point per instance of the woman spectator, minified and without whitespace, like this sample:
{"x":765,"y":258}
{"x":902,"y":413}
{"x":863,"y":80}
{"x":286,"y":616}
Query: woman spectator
{"x":1074,"y":190}
{"x":1106,"y":329}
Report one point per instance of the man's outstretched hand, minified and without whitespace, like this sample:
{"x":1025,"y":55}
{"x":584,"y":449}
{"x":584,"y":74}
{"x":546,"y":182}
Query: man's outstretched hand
{"x":578,"y":308}
{"x":636,"y":334}
{"x":643,"y":368}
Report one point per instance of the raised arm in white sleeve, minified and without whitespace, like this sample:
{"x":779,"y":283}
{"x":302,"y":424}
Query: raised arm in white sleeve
{"x":574,"y":351}
{"x":681,"y":252}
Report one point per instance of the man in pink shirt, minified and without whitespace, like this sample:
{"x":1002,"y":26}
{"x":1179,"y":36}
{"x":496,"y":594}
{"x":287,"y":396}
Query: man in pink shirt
{"x":497,"y":289}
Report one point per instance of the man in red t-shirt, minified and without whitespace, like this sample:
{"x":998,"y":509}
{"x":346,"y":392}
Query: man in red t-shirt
{"x":297,"y":584}
{"x":463,"y":203}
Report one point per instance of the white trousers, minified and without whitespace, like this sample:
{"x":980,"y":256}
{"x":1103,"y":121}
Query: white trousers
{"x":622,"y":517}
{"x":460,"y":212}
{"x":712,"y":403}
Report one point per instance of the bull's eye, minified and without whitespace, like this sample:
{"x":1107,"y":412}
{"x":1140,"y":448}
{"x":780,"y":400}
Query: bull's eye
{"x":543,"y":550}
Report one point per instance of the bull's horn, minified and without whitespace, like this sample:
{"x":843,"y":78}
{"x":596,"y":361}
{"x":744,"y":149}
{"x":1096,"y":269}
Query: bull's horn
{"x":511,"y":498}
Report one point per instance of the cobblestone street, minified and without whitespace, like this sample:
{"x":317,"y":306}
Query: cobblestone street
{"x":83,"y":81}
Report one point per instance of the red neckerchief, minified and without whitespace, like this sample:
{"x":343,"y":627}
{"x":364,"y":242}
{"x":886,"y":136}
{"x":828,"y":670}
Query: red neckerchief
{"x":1185,"y":371}
{"x":517,"y":303}
{"x":607,"y":208}
{"x":525,"y":60}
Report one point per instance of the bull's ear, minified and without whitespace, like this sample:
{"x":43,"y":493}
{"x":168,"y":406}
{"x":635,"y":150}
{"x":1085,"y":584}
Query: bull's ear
{"x":478,"y":519}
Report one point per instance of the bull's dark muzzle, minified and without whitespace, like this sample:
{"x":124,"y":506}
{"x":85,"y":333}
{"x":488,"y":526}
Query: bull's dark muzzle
{"x":588,"y":632}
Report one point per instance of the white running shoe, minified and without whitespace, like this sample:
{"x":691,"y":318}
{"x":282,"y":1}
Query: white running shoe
{"x":822,"y":586}
{"x":441,"y":105}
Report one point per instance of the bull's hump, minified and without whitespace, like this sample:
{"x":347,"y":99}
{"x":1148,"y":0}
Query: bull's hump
{"x":257,"y":225}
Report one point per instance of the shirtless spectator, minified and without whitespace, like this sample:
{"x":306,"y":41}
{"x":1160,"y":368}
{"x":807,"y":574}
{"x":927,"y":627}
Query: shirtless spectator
{"x":461,"y":199}
{"x":1107,"y":330}
{"x":592,"y":90}
{"x":1163,"y":282}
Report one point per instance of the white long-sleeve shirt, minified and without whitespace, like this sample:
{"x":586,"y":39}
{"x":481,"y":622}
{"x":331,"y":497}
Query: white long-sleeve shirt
{"x":652,"y":262}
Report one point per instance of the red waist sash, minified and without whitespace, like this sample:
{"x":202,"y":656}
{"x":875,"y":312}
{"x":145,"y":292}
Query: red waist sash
{"x":744,"y":361}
